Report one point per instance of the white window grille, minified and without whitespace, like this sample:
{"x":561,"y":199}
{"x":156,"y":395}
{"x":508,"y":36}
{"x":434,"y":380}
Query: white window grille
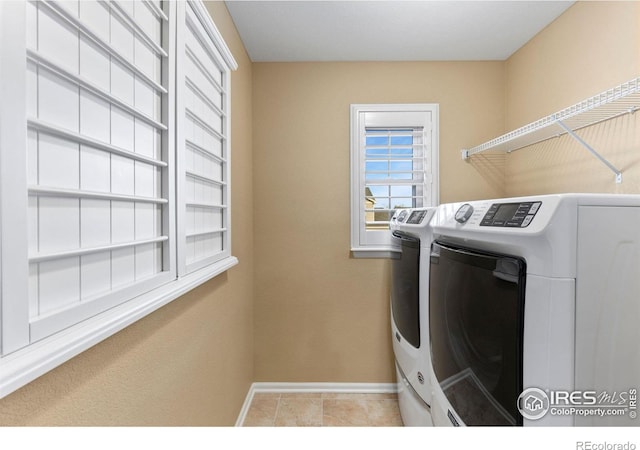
{"x":394,"y":173}
{"x":203,"y":146}
{"x":98,"y":159}
{"x":394,"y":164}
{"x":95,"y":231}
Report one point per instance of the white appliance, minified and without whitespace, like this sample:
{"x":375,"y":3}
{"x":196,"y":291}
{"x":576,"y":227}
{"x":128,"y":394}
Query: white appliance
{"x":409,"y":313}
{"x":535,"y":292}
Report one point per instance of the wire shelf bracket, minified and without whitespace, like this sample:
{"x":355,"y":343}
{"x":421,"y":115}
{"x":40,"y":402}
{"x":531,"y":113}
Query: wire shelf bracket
{"x":591,"y":150}
{"x":620,"y":100}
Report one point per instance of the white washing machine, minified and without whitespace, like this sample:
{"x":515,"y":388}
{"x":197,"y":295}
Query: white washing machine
{"x":409,"y":313}
{"x":535,"y":311}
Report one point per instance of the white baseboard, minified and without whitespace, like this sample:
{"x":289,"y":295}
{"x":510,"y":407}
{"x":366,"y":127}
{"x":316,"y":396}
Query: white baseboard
{"x":349,"y":388}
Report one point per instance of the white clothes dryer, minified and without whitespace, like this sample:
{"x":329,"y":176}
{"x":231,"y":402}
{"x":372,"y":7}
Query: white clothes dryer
{"x":534,"y":311}
{"x":409,"y":313}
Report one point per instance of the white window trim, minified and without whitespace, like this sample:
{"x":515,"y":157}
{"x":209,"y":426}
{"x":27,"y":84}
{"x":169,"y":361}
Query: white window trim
{"x":223,"y":57}
{"x":28,"y":362}
{"x":382,"y":247}
{"x":25,"y":365}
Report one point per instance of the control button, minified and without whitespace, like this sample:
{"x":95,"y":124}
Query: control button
{"x":486,"y":223}
{"x":527,"y":220}
{"x":534,"y":208}
{"x":514,"y":223}
{"x":463,"y":214}
{"x":499,"y":223}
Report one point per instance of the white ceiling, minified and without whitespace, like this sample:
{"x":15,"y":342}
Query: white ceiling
{"x":364,"y":30}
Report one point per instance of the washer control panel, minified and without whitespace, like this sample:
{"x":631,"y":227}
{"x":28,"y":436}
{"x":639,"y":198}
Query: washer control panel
{"x":402,"y":215}
{"x":516,"y":215}
{"x":417,"y":216}
{"x":411,"y":216}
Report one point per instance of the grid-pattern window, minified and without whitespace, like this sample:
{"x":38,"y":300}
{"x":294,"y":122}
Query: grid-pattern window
{"x":394,"y":173}
{"x":394,"y":164}
{"x":114,"y":170}
{"x":97,"y":157}
{"x":203,"y":141}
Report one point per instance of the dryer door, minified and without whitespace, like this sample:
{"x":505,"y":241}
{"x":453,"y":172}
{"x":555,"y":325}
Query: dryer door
{"x":405,"y":300}
{"x":476,"y":311}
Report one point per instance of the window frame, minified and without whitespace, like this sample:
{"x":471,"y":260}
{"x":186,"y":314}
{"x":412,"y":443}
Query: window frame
{"x":21,"y":358}
{"x":222,"y":57}
{"x":377,"y":243}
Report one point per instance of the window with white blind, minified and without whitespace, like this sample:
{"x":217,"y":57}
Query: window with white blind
{"x":97,"y":158}
{"x":203,"y":148}
{"x":394,"y":164}
{"x":114,"y":174}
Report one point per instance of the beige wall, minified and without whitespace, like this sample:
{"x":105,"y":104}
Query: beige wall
{"x":189,"y":363}
{"x":320,"y":315}
{"x":592,"y":47}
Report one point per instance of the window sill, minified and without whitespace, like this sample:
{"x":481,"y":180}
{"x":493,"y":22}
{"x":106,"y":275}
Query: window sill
{"x":386,"y":253}
{"x":25,"y":365}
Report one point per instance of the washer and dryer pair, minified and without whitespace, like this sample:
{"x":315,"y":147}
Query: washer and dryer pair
{"x":505,"y":310}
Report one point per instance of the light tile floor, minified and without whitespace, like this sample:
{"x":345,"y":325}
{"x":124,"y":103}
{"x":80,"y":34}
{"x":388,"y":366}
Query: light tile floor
{"x":323,"y":410}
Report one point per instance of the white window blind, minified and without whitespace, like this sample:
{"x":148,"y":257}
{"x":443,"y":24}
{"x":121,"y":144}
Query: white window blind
{"x":98,"y":170}
{"x":114,"y":170}
{"x":394,"y":173}
{"x":203,"y":145}
{"x":394,"y":164}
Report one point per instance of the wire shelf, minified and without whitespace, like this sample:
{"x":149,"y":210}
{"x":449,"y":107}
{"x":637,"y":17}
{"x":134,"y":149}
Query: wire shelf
{"x":622,"y":99}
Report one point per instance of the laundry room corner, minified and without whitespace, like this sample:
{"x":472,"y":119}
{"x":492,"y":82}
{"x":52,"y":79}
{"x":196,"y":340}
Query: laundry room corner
{"x":322,"y":315}
{"x":568,"y":62}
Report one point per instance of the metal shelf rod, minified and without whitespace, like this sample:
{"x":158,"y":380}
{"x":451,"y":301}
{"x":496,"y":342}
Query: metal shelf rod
{"x":591,"y":150}
{"x":622,"y":99}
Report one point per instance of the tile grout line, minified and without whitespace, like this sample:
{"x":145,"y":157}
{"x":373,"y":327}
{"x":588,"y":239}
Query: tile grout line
{"x":275,"y":417}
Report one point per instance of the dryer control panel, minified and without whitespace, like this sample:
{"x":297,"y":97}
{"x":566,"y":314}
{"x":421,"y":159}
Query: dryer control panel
{"x":416,"y":217}
{"x":517,"y":215}
{"x":411,"y":216}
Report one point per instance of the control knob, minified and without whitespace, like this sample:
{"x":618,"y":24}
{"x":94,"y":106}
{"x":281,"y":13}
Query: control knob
{"x":463,"y":213}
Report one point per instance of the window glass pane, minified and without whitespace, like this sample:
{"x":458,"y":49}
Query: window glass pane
{"x":402,"y":191}
{"x":377,"y":201}
{"x":402,"y":203}
{"x":381,"y":203}
{"x":376,"y":176}
{"x":402,"y":176}
{"x":401,"y":140}
{"x":383,"y":216}
{"x":378,"y":220}
{"x":377,"y":191}
{"x":377,"y":166}
{"x":401,"y":166}
{"x":377,"y":140}
{"x":377,"y":152}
